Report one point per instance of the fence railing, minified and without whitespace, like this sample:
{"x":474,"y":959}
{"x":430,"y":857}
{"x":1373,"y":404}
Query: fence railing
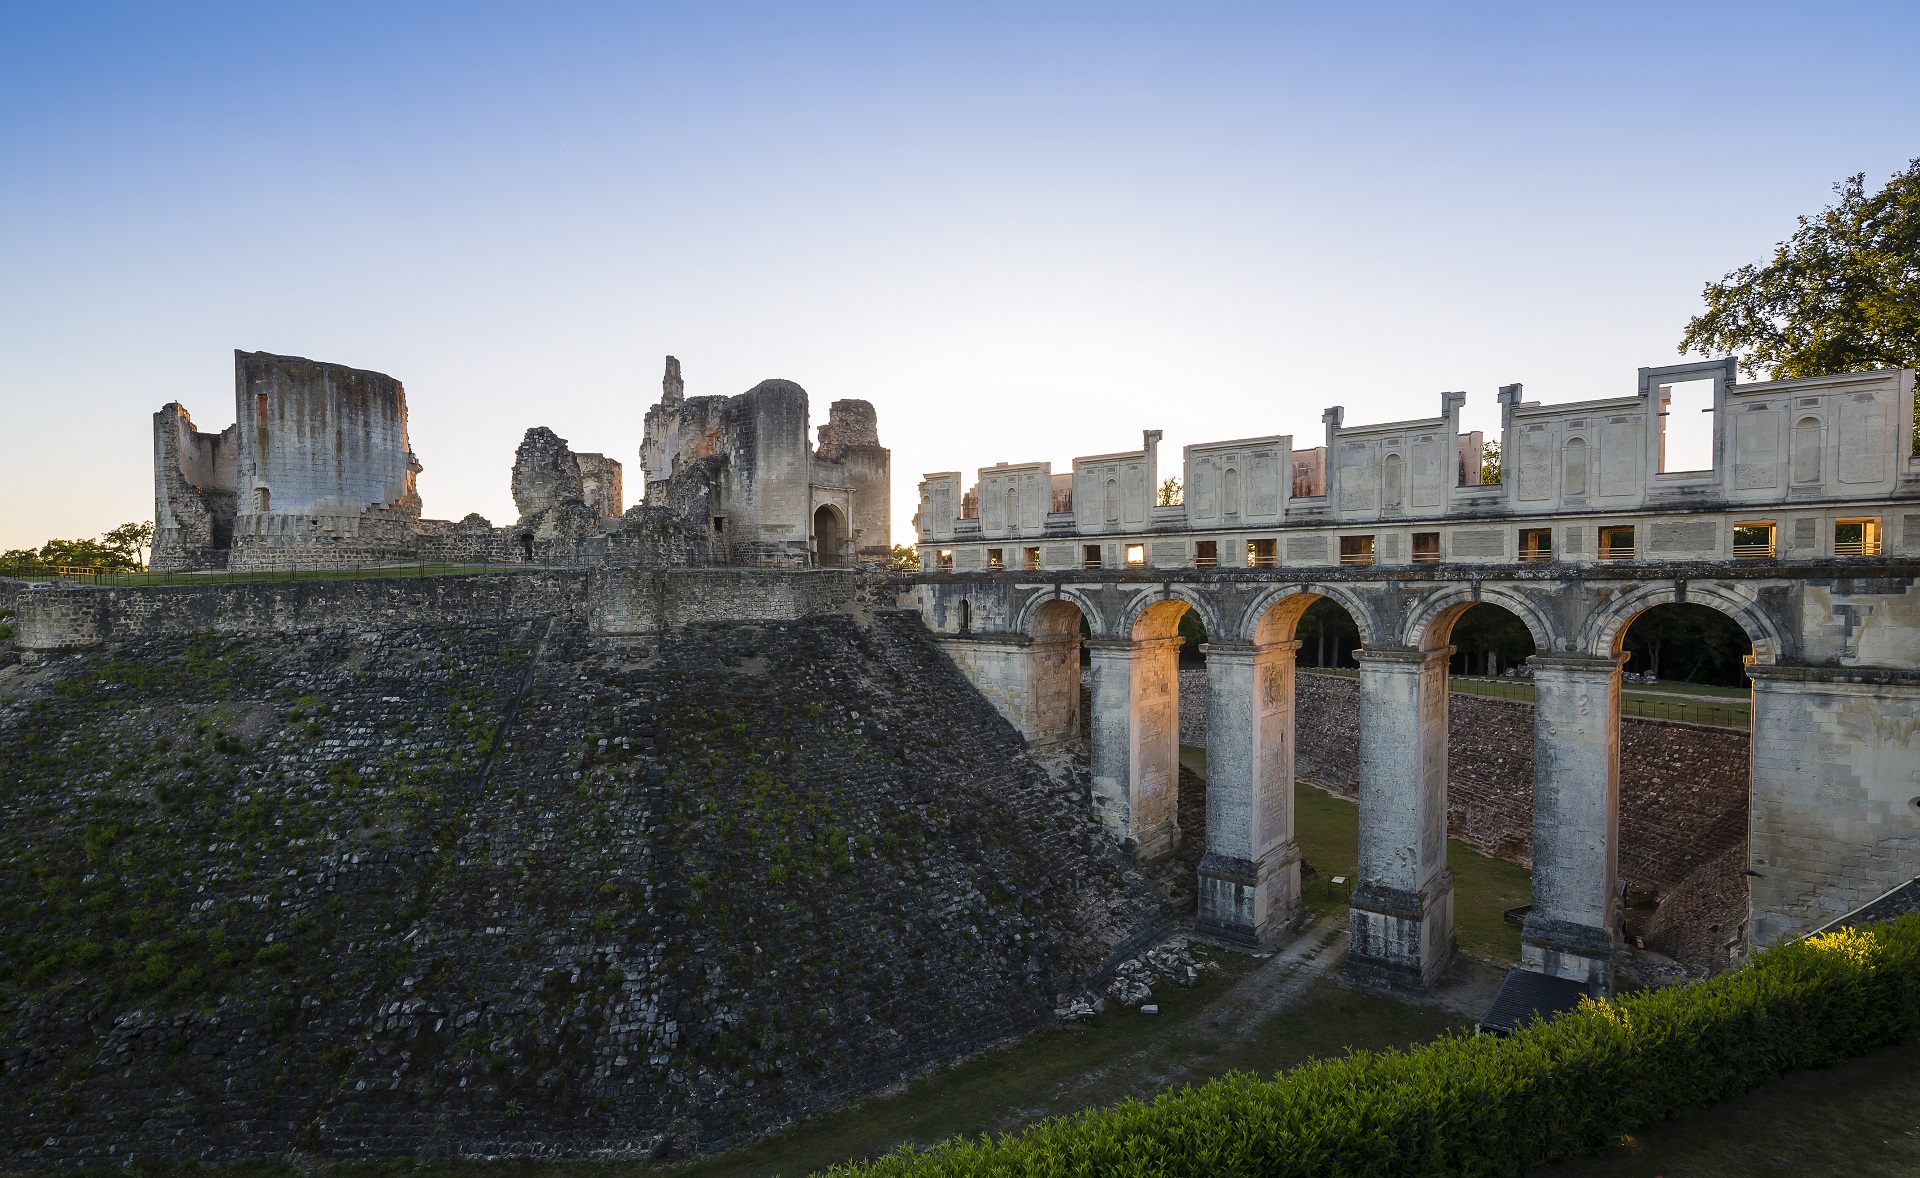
{"x":1645,"y":705}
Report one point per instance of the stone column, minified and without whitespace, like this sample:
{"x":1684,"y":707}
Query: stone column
{"x":1401,"y":917}
{"x":1250,"y":876}
{"x":1835,"y":820}
{"x":1573,"y":928}
{"x":1136,"y":742}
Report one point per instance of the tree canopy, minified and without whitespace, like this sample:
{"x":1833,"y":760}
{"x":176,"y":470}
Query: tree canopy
{"x":122,"y":548}
{"x":1840,"y":295}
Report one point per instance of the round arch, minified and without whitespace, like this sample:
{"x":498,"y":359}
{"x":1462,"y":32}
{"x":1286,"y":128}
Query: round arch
{"x":1255,"y":616}
{"x":1606,"y":628}
{"x":1034,"y":613}
{"x":1196,"y":600}
{"x":1445,"y":606}
{"x":829,"y":535}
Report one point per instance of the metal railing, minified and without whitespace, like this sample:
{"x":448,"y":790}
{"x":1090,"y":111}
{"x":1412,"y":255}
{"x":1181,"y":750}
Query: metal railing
{"x":1763,"y":551}
{"x":1536,"y":554}
{"x":1426,"y":557}
{"x":1258,"y":561}
{"x":1356,"y":558}
{"x":1856,"y":547}
{"x":1617,"y":553}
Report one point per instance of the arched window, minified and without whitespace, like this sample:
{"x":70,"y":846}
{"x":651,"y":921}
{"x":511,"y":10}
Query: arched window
{"x":1230,"y":492}
{"x":1390,"y":477}
{"x":1113,"y":501}
{"x":1013,"y":508}
{"x":966,"y":616}
{"x":1573,"y":464}
{"x":1806,"y":450}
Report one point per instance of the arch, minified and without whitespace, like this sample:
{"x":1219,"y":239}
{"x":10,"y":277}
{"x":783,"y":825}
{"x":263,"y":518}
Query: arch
{"x":1037,"y":620}
{"x":966,"y":616}
{"x":1391,"y":479}
{"x":1606,"y":628}
{"x":526,"y":545}
{"x":1013,"y":508}
{"x":1113,"y":501}
{"x":1230,"y":492}
{"x":1257,"y":626}
{"x":1141,"y":605}
{"x":1573,"y":467}
{"x":829,"y":535}
{"x":1430,"y":623}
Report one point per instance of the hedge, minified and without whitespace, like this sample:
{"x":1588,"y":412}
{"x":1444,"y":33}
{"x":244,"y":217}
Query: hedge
{"x":1488,"y":1105}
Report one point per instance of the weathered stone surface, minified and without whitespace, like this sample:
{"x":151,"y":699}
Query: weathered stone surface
{"x":498,"y":886}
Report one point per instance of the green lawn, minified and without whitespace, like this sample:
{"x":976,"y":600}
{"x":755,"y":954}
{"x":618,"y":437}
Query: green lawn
{"x":1328,"y":831}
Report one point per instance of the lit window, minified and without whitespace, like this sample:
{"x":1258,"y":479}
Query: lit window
{"x":946,"y":560}
{"x":1426,"y":548}
{"x":1136,"y":554}
{"x":1206,"y":554}
{"x":1262,"y":554}
{"x":1857,"y":537}
{"x":1753,"y":538}
{"x":1616,"y":543}
{"x":1356,"y":550}
{"x":1032,"y":557}
{"x":995,"y":559}
{"x":1536,"y":543}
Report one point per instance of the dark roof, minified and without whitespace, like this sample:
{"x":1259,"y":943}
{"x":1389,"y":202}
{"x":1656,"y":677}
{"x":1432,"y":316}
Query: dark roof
{"x":1898,"y":902}
{"x":1528,"y":995}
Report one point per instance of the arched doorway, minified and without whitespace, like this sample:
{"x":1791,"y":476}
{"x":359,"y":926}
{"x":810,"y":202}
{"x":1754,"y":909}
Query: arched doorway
{"x":1685,"y":784}
{"x":1053,"y":714}
{"x":829,"y":537}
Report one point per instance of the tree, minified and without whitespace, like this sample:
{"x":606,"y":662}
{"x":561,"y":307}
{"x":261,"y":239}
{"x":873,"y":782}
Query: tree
{"x":906,"y":558}
{"x":1841,"y":294}
{"x":1490,"y":462}
{"x":1170,"y":494}
{"x":133,"y":538}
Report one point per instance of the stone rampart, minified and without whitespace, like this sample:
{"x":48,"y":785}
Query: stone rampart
{"x":611,"y":602}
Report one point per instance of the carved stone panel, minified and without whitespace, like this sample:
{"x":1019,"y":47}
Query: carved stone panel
{"x":1862,"y":439}
{"x":1534,"y":465}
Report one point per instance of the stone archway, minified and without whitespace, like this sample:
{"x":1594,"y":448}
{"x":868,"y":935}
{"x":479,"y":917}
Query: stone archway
{"x":829,"y":537}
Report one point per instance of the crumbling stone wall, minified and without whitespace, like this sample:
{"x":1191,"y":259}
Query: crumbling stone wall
{"x":194,"y":476}
{"x":492,"y":887}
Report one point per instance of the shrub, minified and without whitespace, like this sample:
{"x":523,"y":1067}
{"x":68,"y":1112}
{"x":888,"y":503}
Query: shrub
{"x":1488,"y":1105}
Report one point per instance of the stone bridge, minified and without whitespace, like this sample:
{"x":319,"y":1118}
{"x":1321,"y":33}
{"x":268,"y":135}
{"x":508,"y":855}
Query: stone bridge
{"x":1789,"y":534}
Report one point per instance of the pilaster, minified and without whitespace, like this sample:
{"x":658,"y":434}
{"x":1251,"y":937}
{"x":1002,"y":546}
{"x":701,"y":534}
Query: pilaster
{"x":1401,"y":914}
{"x":1573,"y":927}
{"x":1250,"y":877}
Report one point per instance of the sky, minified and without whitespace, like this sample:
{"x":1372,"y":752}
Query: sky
{"x":1023,"y":231}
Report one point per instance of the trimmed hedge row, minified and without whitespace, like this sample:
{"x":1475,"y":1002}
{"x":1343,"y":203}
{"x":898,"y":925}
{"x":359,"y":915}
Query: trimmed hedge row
{"x":1489,"y":1106}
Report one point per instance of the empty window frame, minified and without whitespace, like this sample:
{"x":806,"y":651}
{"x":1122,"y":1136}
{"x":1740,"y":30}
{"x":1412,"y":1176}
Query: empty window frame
{"x":1536,"y":543}
{"x":996,"y":559}
{"x":1754,"y":538}
{"x":1031,"y":557}
{"x":1859,"y":536}
{"x":945,"y":560}
{"x":1090,"y":556}
{"x":1136,"y":555}
{"x":262,"y":499}
{"x":1426,"y":548}
{"x":1206,"y":554}
{"x":1616,"y":542}
{"x":1262,"y":554}
{"x":1356,"y":550}
{"x":966,"y":616}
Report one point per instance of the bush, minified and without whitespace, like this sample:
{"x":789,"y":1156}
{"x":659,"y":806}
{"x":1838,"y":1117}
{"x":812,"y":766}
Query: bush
{"x":1488,"y":1105}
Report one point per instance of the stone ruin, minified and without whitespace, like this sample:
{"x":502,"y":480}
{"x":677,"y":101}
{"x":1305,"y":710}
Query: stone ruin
{"x":317,"y":472}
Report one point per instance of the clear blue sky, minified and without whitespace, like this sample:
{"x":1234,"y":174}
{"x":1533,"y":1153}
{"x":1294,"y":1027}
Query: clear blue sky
{"x":1023,"y":231}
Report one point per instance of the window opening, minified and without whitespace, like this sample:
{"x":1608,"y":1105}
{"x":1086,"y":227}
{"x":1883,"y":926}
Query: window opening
{"x":260,"y":409}
{"x":1090,"y":556}
{"x":1616,"y":543}
{"x":1753,"y":538}
{"x":1136,"y":554}
{"x":945,"y":560}
{"x":1686,"y":426}
{"x":966,"y":616}
{"x":1262,"y":554}
{"x":996,"y":559}
{"x":1206,"y":554}
{"x":1857,"y":537}
{"x":1426,"y":548}
{"x":1536,"y":543}
{"x":1032,"y":558}
{"x":719,"y":524}
{"x":262,"y":499}
{"x":1356,"y":550}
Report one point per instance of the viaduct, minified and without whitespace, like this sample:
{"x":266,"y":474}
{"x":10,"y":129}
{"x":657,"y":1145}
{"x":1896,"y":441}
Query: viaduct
{"x":1805,"y":530}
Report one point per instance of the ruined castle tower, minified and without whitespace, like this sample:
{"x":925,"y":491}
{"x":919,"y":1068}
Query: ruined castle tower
{"x":768,"y":496}
{"x":316,"y":471}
